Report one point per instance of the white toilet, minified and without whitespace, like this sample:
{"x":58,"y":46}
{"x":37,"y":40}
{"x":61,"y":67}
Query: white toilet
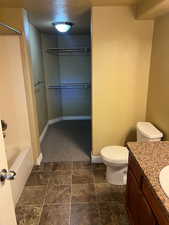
{"x":116,"y":157}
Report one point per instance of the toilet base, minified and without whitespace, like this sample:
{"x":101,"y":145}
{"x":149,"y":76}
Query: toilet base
{"x":116,"y":175}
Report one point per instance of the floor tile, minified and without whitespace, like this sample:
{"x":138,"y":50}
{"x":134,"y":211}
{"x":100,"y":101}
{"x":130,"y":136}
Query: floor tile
{"x":62,"y":166}
{"x":32,"y":196}
{"x":58,"y":194}
{"x":99,"y":176}
{"x":55,"y":215}
{"x":107,"y":192}
{"x":108,"y":217}
{"x":82,"y":165}
{"x":82,"y":176}
{"x":84,"y":214}
{"x":37,"y":169}
{"x":37,"y":179}
{"x":28,"y":215}
{"x":83,"y":193}
{"x":60,"y":179}
{"x":113,"y":213}
{"x":47,"y":167}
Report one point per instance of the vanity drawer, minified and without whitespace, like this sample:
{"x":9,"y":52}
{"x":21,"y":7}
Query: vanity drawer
{"x":154,"y":203}
{"x":135,"y":168}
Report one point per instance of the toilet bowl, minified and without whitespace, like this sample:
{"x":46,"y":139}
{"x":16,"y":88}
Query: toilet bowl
{"x":116,"y":160}
{"x":116,"y":157}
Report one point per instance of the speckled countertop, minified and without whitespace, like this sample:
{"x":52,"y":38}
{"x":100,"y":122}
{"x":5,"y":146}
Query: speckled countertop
{"x":152,"y":157}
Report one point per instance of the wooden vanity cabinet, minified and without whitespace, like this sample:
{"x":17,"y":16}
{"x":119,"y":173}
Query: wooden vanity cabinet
{"x":142,"y":206}
{"x":138,"y":208}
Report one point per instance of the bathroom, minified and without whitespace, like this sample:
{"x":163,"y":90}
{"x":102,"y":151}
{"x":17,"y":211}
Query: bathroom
{"x":128,"y":83}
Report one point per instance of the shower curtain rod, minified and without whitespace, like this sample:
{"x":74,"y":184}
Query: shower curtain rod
{"x":10,"y":28}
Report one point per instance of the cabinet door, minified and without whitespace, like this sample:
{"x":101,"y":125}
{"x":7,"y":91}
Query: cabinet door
{"x":146,"y":216}
{"x":133,"y":198}
{"x":140,"y":211}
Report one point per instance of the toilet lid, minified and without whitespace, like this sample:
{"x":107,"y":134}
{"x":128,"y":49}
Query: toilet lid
{"x":115,"y":154}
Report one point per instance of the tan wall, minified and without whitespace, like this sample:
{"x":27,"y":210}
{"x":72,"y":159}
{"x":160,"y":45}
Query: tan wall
{"x":158,"y":107}
{"x":38,"y":75}
{"x":121,"y":48}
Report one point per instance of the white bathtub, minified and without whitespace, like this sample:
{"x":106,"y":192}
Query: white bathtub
{"x":21,"y":161}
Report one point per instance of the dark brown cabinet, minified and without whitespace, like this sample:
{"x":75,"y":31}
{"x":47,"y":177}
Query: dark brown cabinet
{"x":140,"y":212}
{"x":142,"y":205}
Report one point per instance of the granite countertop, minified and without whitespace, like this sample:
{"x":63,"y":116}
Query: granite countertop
{"x":152,"y":157}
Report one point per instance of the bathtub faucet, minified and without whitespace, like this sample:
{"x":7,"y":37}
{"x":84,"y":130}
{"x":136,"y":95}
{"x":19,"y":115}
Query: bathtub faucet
{"x":7,"y":175}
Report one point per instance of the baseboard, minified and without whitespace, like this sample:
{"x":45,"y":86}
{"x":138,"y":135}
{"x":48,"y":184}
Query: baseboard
{"x":39,"y":159}
{"x":50,"y":122}
{"x":76,"y":117}
{"x":44,"y":132}
{"x":96,"y":159}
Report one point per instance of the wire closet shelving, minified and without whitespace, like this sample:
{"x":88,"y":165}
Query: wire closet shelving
{"x":69,"y":51}
{"x":70,"y":86}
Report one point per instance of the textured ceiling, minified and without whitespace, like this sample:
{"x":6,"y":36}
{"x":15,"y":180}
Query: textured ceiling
{"x":43,"y":12}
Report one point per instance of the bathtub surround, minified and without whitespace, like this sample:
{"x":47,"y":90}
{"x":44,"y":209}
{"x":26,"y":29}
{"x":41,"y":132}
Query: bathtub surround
{"x":18,"y":18}
{"x":13,"y":95}
{"x":22,"y":164}
{"x":39,"y":159}
{"x":121,"y":52}
{"x":76,"y":193}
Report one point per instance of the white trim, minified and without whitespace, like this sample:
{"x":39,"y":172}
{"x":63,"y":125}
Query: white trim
{"x":39,"y":159}
{"x":50,"y":122}
{"x":44,"y":132}
{"x":96,"y":159}
{"x":76,"y":117}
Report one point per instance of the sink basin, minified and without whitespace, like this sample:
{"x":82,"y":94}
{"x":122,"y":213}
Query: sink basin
{"x":164,"y":180}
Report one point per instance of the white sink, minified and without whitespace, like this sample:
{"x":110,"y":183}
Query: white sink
{"x":164,"y":180}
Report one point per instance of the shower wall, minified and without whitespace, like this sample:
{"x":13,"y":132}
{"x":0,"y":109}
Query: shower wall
{"x":69,"y":68}
{"x":13,"y":95}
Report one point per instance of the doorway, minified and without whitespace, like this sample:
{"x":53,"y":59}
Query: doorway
{"x":66,"y":62}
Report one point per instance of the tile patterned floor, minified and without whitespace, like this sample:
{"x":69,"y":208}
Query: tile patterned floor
{"x":71,"y":193}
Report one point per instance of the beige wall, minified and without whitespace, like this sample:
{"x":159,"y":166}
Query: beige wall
{"x":38,"y":75}
{"x":121,"y":48}
{"x":158,"y":107}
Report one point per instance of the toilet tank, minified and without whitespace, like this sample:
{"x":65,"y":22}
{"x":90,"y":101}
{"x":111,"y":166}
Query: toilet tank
{"x":148,"y":132}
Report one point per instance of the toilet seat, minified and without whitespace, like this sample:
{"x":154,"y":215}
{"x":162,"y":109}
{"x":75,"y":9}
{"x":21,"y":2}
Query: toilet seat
{"x":115,"y":154}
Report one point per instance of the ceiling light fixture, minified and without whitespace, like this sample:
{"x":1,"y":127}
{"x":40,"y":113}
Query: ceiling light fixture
{"x":63,"y":27}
